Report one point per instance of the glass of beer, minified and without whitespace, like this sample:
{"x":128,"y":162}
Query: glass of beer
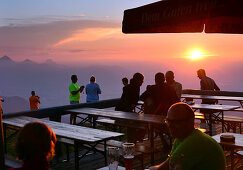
{"x":128,"y":154}
{"x":113,"y":157}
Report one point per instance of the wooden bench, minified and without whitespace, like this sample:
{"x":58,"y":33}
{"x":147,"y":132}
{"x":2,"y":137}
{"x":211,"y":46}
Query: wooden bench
{"x":231,"y":122}
{"x":100,"y":147}
{"x":118,"y":124}
{"x":112,"y":122}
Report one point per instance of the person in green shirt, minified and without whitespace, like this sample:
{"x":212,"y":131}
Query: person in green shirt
{"x":74,"y":97}
{"x":192,"y":149}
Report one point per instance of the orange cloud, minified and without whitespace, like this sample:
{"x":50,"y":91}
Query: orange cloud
{"x":91,"y":34}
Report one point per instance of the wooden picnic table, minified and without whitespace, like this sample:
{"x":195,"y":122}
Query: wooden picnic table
{"x":210,"y":97}
{"x":214,"y":111}
{"x":150,"y":119}
{"x":80,"y":135}
{"x":238,"y":144}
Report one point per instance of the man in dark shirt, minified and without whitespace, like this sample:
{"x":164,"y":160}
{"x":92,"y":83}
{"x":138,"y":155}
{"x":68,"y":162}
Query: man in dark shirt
{"x":127,"y":103}
{"x":130,"y":94}
{"x":157,"y":100}
{"x":207,"y":83}
{"x":159,"y":97}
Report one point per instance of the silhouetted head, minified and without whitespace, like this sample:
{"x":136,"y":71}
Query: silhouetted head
{"x":201,"y":73}
{"x":138,"y":79}
{"x":33,"y":93}
{"x":74,"y":78}
{"x":92,"y":79}
{"x":125,"y":81}
{"x":180,"y":119}
{"x":35,"y":140}
{"x":169,"y":76}
{"x":159,"y":78}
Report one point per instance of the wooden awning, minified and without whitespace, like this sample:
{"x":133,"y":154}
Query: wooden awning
{"x":185,"y":16}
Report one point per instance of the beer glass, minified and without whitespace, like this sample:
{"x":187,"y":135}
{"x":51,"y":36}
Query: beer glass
{"x":113,"y":158}
{"x":128,"y":154}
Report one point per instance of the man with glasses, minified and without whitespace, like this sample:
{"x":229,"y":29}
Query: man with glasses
{"x":192,"y":149}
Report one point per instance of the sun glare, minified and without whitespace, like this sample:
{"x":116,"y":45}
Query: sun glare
{"x":195,"y":55}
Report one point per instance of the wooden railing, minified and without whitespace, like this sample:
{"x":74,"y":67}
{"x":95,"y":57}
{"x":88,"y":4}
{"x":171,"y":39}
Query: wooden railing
{"x":49,"y":112}
{"x":213,"y":93}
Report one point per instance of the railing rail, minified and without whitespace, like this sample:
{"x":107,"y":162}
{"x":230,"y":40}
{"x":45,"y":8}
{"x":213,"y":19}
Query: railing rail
{"x":213,"y":93}
{"x":49,"y":112}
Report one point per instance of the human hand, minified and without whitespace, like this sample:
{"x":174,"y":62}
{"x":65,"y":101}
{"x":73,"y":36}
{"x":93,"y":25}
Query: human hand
{"x":81,"y":88}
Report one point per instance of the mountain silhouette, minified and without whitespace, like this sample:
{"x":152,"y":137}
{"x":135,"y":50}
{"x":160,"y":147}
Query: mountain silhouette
{"x":6,"y":60}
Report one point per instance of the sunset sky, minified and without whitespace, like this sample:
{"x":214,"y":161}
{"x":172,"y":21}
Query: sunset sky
{"x":89,"y":31}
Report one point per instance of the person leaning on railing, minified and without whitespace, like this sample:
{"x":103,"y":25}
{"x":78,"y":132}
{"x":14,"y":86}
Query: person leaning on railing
{"x":35,"y":145}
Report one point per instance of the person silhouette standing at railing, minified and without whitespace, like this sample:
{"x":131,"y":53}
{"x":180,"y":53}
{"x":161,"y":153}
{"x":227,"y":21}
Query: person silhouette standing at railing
{"x":34,"y":101}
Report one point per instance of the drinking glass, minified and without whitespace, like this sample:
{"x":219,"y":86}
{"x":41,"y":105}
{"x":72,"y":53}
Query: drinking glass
{"x":175,"y":161}
{"x":113,"y":158}
{"x":128,"y":154}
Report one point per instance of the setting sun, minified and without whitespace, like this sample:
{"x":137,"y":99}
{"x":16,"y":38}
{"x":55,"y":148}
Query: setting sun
{"x":195,"y":55}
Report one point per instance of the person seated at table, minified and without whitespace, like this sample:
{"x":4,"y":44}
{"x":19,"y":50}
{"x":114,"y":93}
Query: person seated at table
{"x":130,"y":94}
{"x":125,"y":81}
{"x":35,"y":145}
{"x":192,"y":149}
{"x":127,"y":103}
{"x":159,"y":97}
{"x":170,"y":80}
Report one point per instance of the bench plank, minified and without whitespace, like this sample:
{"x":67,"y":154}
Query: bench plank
{"x":82,"y":134}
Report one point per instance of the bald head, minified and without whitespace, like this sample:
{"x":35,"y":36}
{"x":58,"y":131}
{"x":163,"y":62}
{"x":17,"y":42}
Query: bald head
{"x":180,"y":120}
{"x":182,"y":110}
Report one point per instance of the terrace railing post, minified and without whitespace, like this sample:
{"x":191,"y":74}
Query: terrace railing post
{"x":2,"y":160}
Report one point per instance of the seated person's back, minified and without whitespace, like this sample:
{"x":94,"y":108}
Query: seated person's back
{"x":159,"y":97}
{"x":35,"y":145}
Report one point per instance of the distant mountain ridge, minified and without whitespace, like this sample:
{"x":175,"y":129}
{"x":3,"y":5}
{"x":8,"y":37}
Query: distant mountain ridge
{"x":7,"y":60}
{"x":51,"y":80}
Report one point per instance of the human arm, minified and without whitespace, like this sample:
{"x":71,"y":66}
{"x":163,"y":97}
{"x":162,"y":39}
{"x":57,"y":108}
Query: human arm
{"x":98,"y":89}
{"x":79,"y":90}
{"x":146,"y":94}
{"x":163,"y":166}
{"x":37,"y":99}
{"x":202,"y":85}
{"x":179,"y":91}
{"x":216,"y":87}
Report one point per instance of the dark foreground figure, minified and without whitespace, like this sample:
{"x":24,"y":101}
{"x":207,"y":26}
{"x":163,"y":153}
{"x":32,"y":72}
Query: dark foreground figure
{"x":192,"y":149}
{"x":35,"y":145}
